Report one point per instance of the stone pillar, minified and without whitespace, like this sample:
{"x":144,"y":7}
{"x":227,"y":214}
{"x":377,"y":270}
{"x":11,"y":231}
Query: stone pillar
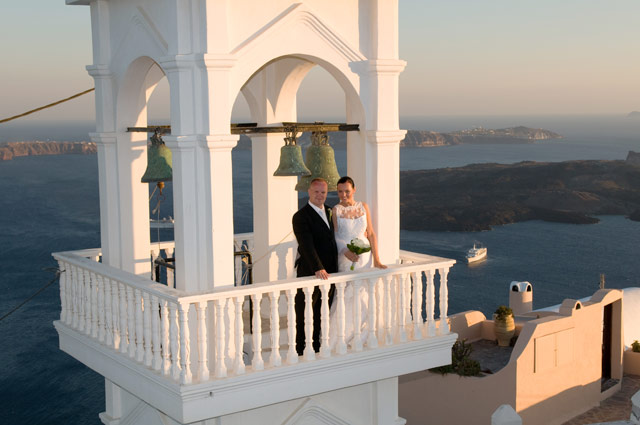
{"x":274,"y":203}
{"x":505,"y":415}
{"x":108,"y":187}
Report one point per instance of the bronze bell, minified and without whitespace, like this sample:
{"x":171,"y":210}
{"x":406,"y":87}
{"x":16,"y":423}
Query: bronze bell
{"x":291,"y":163}
{"x":321,"y":161}
{"x":158,"y":162}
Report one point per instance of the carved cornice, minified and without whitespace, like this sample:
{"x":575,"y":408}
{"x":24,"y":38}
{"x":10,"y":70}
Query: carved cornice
{"x":382,"y":137}
{"x":378,"y":66}
{"x":99,"y":71}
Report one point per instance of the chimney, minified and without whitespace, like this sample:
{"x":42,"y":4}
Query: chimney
{"x":520,"y":297}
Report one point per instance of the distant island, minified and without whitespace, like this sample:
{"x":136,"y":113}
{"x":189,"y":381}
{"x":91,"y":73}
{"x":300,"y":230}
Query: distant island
{"x":11,"y":150}
{"x":477,"y":197}
{"x":511,"y":135}
{"x":633,"y":114}
{"x":414,"y":138}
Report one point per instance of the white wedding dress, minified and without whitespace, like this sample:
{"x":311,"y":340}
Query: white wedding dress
{"x":352,"y":223}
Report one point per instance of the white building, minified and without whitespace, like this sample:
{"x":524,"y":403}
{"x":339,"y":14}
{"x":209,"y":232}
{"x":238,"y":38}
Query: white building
{"x":175,"y":355}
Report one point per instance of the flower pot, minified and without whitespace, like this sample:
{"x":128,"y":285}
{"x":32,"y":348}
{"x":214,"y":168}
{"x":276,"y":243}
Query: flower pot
{"x":504,"y":330}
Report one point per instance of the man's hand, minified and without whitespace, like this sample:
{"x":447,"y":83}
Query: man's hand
{"x":351,"y":256}
{"x":322,"y":274}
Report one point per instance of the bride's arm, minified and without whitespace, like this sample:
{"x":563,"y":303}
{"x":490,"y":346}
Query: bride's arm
{"x":373,"y":240}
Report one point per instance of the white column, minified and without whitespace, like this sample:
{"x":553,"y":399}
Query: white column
{"x":274,"y":203}
{"x":379,"y":94}
{"x":108,"y":188}
{"x":185,"y":211}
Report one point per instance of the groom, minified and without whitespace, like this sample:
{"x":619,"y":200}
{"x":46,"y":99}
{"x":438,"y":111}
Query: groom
{"x":317,"y":255}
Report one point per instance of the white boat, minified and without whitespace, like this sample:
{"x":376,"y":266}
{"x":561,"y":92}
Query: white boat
{"x":476,"y":254}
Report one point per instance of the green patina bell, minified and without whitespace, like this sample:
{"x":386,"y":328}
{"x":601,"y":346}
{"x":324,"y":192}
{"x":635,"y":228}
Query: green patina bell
{"x":158,"y":162}
{"x":321,"y":160}
{"x":291,"y":162}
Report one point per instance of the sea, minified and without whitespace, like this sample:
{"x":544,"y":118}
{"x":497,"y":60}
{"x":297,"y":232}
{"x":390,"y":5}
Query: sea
{"x":51,"y":203}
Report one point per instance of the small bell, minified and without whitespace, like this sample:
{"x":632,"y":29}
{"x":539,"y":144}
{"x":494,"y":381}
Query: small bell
{"x":158,"y":162}
{"x":321,"y":161}
{"x":291,"y":162}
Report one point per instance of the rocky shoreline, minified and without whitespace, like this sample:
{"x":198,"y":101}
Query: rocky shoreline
{"x":10,"y":150}
{"x":477,"y":197}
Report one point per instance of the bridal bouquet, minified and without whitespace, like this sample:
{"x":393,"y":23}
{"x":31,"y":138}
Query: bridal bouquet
{"x":358,"y":246}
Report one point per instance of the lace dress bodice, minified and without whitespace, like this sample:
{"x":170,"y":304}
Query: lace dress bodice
{"x":352,"y":223}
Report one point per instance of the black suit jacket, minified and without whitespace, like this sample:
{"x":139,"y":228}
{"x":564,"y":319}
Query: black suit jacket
{"x":317,"y":248}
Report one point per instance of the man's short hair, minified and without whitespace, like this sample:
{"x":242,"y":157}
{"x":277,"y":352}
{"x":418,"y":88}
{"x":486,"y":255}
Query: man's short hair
{"x":318,"y":180}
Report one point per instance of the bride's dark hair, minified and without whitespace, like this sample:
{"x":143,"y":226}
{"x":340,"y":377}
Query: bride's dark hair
{"x":346,"y":179}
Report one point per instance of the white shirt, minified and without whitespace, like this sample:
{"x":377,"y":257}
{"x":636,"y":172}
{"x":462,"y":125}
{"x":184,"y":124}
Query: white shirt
{"x":322,"y":213}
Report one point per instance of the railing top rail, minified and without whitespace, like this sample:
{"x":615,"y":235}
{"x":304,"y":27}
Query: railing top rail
{"x":430,"y":262}
{"x":154,"y":288}
{"x":420,"y":263}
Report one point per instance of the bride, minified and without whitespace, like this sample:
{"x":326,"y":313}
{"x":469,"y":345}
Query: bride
{"x":351,"y":220}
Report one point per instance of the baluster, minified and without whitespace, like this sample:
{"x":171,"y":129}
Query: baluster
{"x":239,"y":363}
{"x":372,"y":341}
{"x":431,"y":303}
{"x":148,"y":353}
{"x":325,"y":348}
{"x":63,"y":291}
{"x":171,"y":283}
{"x":274,"y":359}
{"x":174,"y":342}
{"x":309,"y":352}
{"x":221,"y":367}
{"x":444,"y":302}
{"x":153,"y":265}
{"x":108,"y":318}
{"x":230,"y":343}
{"x":124,"y":323}
{"x":341,"y":346}
{"x":69,"y":292}
{"x":401,"y":320}
{"x":356,"y":342}
{"x":165,"y":332}
{"x":80,"y":293}
{"x":388,"y":326}
{"x":393,"y":302}
{"x":185,"y":358}
{"x":89,"y":291}
{"x":203,"y":360}
{"x":131,"y":322}
{"x":139,"y":324}
{"x":292,"y":355}
{"x":115,"y":314}
{"x":380,"y":306}
{"x":95,"y":305}
{"x":101,"y":310}
{"x":417,"y":305}
{"x":156,"y":361}
{"x":77,"y":296}
{"x":256,"y":362}
{"x":407,"y":296}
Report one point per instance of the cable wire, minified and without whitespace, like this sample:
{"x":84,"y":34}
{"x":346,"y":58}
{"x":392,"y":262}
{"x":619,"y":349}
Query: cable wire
{"x":46,"y":106}
{"x":32,"y":296}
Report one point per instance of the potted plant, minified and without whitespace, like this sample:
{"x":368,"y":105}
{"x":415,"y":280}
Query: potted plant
{"x":632,"y":359}
{"x":504,"y":326}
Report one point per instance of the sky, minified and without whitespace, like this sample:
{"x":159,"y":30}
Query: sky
{"x":465,"y":57}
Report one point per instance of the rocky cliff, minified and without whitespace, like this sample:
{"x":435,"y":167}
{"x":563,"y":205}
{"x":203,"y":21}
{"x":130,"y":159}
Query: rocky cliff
{"x":13,"y":149}
{"x":479,"y":196}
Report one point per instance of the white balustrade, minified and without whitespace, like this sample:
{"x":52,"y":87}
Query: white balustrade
{"x":149,"y":323}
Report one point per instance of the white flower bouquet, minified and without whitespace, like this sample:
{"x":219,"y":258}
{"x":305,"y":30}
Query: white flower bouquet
{"x":358,"y":246}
